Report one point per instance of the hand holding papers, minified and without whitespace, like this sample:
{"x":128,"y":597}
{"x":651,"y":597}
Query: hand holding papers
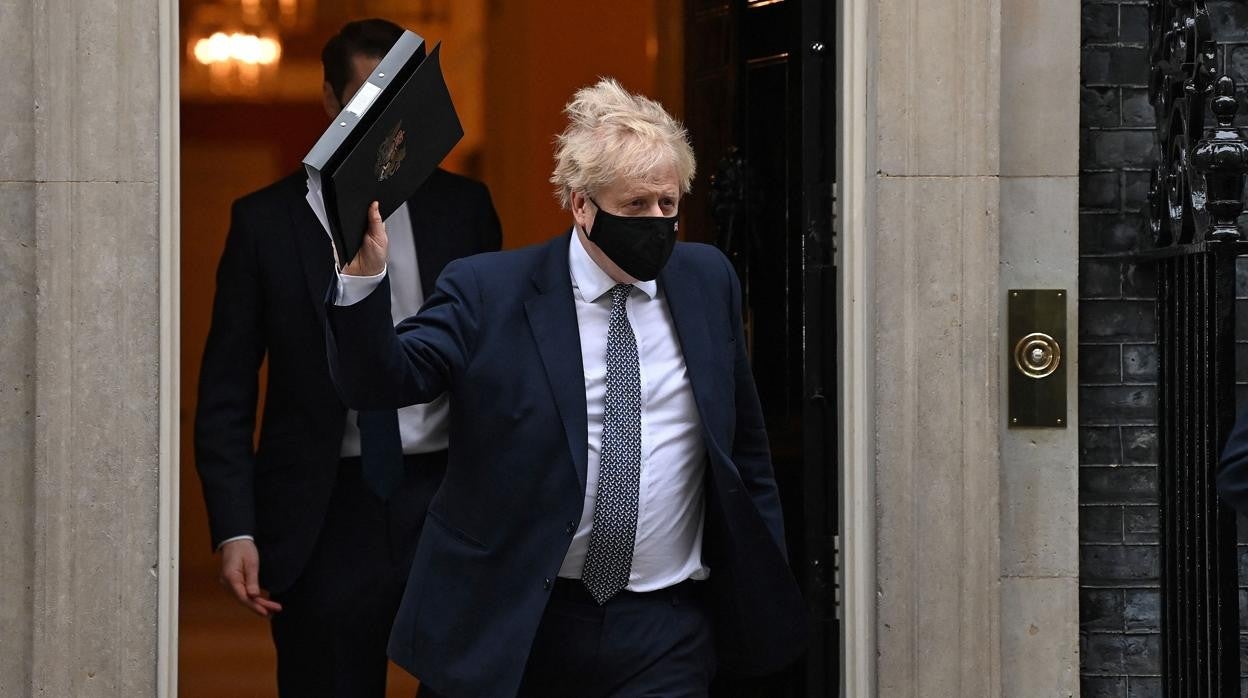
{"x":383,"y":145}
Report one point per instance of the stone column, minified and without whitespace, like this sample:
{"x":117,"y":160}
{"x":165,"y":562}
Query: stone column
{"x":974,"y":107}
{"x":937,"y":465}
{"x":1039,"y":249}
{"x":17,"y":331}
{"x":81,"y":276}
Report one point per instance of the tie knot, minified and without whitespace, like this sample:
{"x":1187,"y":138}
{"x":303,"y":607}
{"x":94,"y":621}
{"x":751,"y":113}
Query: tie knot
{"x":620,"y":292}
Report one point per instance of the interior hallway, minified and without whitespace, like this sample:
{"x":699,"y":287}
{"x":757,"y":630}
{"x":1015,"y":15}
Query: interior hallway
{"x":510,"y":71}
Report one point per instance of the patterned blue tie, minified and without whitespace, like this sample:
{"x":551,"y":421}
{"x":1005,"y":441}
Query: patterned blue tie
{"x":610,"y":556}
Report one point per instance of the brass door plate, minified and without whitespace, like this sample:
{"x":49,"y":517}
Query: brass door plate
{"x":1037,"y":358}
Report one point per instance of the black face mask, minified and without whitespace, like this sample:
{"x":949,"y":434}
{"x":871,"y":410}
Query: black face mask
{"x":639,"y":245}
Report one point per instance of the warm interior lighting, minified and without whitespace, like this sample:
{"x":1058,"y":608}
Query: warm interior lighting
{"x":238,"y":47}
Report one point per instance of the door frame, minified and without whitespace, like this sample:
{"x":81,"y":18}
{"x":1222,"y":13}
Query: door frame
{"x":856,"y":409}
{"x":169,"y":193}
{"x":856,"y":564}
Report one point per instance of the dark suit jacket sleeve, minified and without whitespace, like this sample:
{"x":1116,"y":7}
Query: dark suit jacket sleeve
{"x":378,"y":366}
{"x":1233,"y":473}
{"x":225,"y":417}
{"x":750,"y":450}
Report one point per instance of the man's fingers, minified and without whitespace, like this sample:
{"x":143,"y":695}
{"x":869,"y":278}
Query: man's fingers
{"x":257,"y":609}
{"x":234,"y":582}
{"x":240,"y":574}
{"x":370,"y":260}
{"x":262,"y":606}
{"x":253,"y":603}
{"x":376,"y":226}
{"x":251,"y":576}
{"x":268,"y":604}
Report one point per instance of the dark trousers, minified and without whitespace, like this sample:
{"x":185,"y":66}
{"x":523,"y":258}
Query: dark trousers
{"x":658,"y":644}
{"x":331,"y":633}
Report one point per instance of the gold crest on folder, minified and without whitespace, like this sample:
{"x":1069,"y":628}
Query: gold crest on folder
{"x":391,"y":153}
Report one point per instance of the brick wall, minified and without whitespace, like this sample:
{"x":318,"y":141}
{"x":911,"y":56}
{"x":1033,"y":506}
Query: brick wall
{"x":1119,"y":557}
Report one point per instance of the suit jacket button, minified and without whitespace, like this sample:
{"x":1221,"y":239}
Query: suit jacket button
{"x":571,"y":529}
{"x":546,"y":584}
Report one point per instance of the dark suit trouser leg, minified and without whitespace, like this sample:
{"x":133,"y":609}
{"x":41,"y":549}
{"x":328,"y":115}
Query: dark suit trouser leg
{"x":654,"y":645}
{"x":331,"y":634}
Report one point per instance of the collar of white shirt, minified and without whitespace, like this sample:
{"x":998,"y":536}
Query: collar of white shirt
{"x":589,"y":280}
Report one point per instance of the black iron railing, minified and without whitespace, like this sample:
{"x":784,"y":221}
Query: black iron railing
{"x":1196,"y":199}
{"x":1196,"y":399}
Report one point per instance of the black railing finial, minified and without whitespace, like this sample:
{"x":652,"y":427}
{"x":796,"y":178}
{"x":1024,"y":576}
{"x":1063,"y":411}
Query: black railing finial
{"x":1197,"y":185}
{"x":1221,"y":157}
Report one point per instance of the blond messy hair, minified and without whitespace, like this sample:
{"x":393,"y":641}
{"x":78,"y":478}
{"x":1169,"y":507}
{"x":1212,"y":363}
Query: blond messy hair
{"x":614,"y":134}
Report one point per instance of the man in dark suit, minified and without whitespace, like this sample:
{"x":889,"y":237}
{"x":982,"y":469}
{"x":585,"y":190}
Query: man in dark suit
{"x":317,"y":526}
{"x":609,"y":524}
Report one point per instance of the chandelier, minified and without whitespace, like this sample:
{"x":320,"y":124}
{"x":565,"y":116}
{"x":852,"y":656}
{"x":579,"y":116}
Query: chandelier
{"x":238,"y":48}
{"x":235,"y":46}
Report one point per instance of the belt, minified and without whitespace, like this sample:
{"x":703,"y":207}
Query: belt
{"x":573,"y":590}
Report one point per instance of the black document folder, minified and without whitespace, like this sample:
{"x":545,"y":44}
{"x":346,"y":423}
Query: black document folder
{"x":384,"y":144}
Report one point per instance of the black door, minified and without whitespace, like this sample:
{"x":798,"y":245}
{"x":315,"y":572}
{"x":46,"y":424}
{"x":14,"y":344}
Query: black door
{"x":759,"y":105}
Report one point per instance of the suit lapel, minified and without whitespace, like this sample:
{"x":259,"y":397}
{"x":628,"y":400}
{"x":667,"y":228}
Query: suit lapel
{"x":432,"y":240}
{"x":315,"y":252}
{"x":687,"y":305}
{"x":552,"y":317}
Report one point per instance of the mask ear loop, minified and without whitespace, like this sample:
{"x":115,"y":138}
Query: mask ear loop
{"x":597,"y":208}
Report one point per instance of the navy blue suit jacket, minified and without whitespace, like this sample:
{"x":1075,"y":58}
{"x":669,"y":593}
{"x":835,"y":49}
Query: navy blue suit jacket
{"x":1233,"y":472}
{"x":500,"y":333}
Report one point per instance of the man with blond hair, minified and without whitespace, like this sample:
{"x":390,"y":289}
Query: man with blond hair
{"x":609,"y":523}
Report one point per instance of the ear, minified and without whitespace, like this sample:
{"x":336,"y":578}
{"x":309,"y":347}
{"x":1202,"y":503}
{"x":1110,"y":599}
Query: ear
{"x":329,"y":100}
{"x":582,"y":210}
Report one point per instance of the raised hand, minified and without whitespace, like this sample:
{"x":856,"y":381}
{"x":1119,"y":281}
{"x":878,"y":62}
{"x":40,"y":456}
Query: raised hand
{"x":371,"y":259}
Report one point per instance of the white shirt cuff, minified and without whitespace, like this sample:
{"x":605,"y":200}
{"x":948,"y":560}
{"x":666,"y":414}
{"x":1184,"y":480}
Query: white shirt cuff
{"x":353,"y":289}
{"x":231,"y":540}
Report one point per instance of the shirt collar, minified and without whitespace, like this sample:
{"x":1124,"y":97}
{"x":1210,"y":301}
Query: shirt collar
{"x":589,"y":280}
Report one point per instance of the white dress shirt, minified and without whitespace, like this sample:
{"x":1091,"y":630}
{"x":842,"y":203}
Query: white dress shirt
{"x":423,"y":428}
{"x":671,"y":501}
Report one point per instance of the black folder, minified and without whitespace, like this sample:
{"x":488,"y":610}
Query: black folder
{"x":385,"y":142}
